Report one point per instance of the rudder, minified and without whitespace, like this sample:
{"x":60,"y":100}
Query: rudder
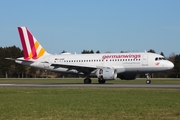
{"x":31,"y":47}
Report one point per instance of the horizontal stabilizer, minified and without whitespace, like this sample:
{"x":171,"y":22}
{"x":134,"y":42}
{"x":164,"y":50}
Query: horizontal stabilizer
{"x":20,"y":59}
{"x":10,"y":59}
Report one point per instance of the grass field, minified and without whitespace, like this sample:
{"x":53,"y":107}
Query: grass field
{"x":88,"y":103}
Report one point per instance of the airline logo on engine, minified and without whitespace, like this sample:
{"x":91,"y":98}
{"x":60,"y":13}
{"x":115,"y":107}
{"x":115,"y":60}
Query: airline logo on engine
{"x":134,"y":56}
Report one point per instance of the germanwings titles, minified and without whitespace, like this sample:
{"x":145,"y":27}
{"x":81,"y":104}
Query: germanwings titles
{"x":107,"y":66}
{"x":134,"y":56}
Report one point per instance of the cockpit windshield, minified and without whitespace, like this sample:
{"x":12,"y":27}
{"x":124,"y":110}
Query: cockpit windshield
{"x":160,"y":58}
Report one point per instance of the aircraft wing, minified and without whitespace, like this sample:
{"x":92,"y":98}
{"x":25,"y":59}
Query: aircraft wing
{"x":85,"y":68}
{"x":81,"y":68}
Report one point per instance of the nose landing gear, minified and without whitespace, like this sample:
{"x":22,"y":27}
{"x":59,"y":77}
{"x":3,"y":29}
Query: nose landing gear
{"x":148,"y":81}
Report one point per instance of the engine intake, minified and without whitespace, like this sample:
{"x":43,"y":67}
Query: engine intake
{"x":107,"y":73}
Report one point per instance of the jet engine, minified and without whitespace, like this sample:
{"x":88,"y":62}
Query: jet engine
{"x":106,"y":74}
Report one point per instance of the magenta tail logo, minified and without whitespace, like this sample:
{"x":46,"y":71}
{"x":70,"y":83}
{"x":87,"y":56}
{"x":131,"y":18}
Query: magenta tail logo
{"x":31,"y":47}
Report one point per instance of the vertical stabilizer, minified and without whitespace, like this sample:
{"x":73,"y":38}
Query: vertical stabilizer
{"x":31,"y":47}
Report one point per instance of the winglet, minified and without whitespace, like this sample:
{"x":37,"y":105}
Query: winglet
{"x":31,"y":47}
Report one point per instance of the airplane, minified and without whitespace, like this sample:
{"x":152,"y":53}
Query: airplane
{"x":105,"y":66}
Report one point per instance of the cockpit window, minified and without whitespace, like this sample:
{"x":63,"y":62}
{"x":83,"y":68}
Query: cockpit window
{"x":160,"y":58}
{"x":164,"y":58}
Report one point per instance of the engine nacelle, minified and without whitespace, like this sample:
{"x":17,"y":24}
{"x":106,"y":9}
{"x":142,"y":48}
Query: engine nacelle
{"x":106,"y":73}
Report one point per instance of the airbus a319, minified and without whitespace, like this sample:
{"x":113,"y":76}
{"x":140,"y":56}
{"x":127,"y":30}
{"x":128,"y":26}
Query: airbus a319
{"x":106,"y":66}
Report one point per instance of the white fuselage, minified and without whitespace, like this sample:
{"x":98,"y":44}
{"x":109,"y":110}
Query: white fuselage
{"x":122,"y":62}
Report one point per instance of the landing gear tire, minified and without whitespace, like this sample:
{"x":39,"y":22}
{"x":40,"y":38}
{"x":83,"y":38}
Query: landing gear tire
{"x":148,"y":81}
{"x":87,"y":81}
{"x":101,"y":81}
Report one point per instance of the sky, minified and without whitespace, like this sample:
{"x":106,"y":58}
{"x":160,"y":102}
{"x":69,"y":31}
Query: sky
{"x":104,"y":25}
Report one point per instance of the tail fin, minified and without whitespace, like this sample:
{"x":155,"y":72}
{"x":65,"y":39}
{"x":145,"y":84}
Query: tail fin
{"x":31,"y":47}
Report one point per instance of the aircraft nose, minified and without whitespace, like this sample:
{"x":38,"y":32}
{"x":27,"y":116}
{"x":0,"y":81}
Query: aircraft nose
{"x":170,"y":65}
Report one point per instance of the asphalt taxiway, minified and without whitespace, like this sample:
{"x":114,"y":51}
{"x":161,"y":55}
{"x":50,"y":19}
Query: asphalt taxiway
{"x":52,"y":85}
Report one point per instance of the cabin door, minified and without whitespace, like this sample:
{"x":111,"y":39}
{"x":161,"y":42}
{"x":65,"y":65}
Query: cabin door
{"x":145,"y":60}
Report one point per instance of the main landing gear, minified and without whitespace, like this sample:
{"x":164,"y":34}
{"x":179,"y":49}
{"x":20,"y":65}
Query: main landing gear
{"x":101,"y":81}
{"x":148,"y":81}
{"x":87,"y":80}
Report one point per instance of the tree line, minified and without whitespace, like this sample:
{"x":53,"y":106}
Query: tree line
{"x":10,"y":69}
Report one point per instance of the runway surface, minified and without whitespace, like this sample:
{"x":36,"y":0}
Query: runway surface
{"x":91,"y":85}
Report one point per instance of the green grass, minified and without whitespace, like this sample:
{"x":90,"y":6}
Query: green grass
{"x":89,"y":104}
